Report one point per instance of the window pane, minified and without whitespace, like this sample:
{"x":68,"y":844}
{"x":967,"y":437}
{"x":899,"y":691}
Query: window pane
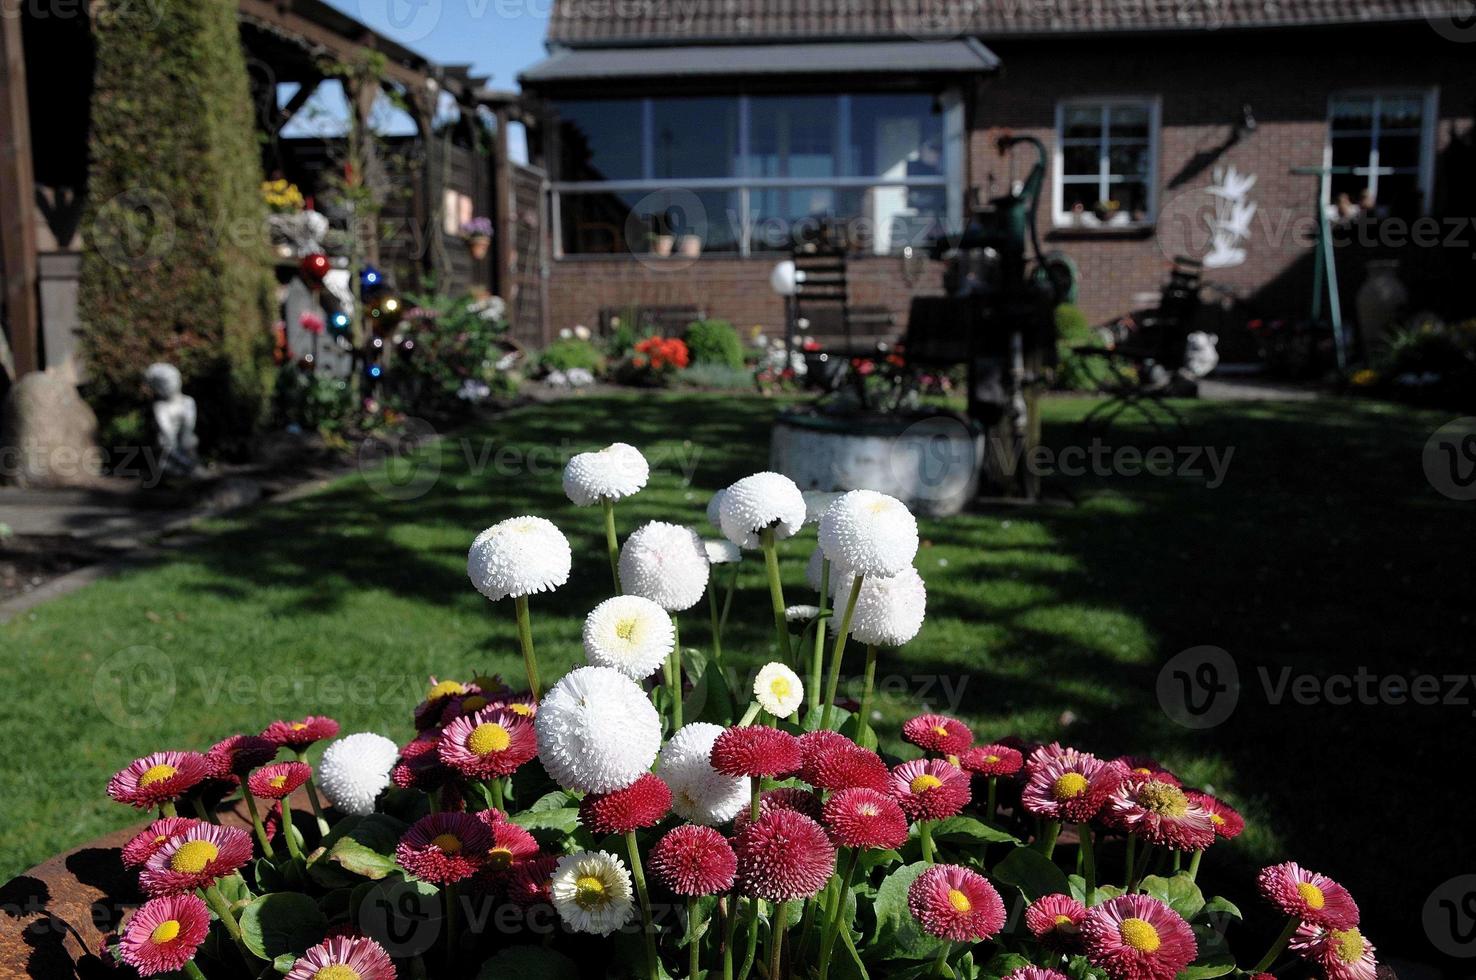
{"x":1352,"y":186}
{"x":1132,"y":198}
{"x":794,"y":136}
{"x":1081,"y":161}
{"x":1128,"y":161}
{"x":694,"y":138}
{"x":877,"y":220}
{"x":1399,"y":195}
{"x":648,"y":223}
{"x":1351,"y":151}
{"x":600,"y":139}
{"x":1129,"y":121}
{"x":1352,"y":113}
{"x":1399,"y":151}
{"x":1401,"y":112}
{"x":1082,"y":122}
{"x":894,"y":136}
{"x":1079,"y":197}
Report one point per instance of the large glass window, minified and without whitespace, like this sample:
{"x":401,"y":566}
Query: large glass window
{"x":1106,"y":153}
{"x":754,"y":173}
{"x":1380,"y":143}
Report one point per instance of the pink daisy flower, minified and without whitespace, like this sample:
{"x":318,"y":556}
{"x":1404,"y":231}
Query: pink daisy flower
{"x":420,"y":766}
{"x":298,"y":735}
{"x":992,"y":760}
{"x":196,"y":858}
{"x":279,"y":780}
{"x":444,"y":847}
{"x":833,"y":762}
{"x":784,"y":798}
{"x":1033,"y":973}
{"x":488,"y":744}
{"x":1160,"y":813}
{"x":937,"y":733}
{"x":511,"y":844}
{"x":1068,"y":785}
{"x":1308,"y":896}
{"x":865,"y":818}
{"x":1227,"y":820}
{"x":930,"y":789}
{"x":954,"y":903}
{"x":1134,"y":937}
{"x":232,"y":758}
{"x":693,"y":860}
{"x":143,"y":844}
{"x":1055,"y":921}
{"x":1343,"y":954}
{"x":442,"y":693}
{"x":529,"y":883}
{"x":783,"y":855}
{"x":756,"y":750}
{"x":641,"y":804}
{"x":1140,"y":767}
{"x":159,"y":778}
{"x":344,"y":958}
{"x":164,"y":933}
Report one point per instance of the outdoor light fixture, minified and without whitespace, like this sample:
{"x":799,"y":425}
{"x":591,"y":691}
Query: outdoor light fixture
{"x":786,"y":279}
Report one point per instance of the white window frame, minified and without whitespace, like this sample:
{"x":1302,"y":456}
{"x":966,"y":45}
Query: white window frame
{"x":1066,"y":219}
{"x":1430,"y":110}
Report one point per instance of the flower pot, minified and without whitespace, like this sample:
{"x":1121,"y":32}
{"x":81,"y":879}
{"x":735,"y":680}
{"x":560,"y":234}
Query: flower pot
{"x":662,"y":244}
{"x":689,"y":246}
{"x":478,"y":246}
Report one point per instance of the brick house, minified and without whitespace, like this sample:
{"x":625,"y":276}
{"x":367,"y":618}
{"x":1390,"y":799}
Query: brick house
{"x":722,"y":127}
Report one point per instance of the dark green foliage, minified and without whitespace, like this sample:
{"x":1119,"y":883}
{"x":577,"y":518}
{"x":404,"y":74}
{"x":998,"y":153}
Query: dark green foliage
{"x":570,"y":353}
{"x":176,"y":264}
{"x":1073,"y":372}
{"x":714,"y":342}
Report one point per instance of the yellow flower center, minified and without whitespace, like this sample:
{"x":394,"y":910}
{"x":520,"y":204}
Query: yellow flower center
{"x":959,"y":900}
{"x":1063,"y":920}
{"x":626,"y":628}
{"x":1311,"y":894}
{"x":338,"y":971}
{"x":1142,"y":771}
{"x":298,"y":726}
{"x":923,"y":783}
{"x":445,"y":689}
{"x":194,"y":856}
{"x":1348,"y":944}
{"x":1140,"y":935}
{"x":589,"y":892}
{"x":488,"y":738}
{"x":1217,"y":820}
{"x":1069,"y":786}
{"x":473,"y":704}
{"x":991,"y":759}
{"x":156,"y":774}
{"x":499,"y":858}
{"x":447,"y":843}
{"x":780,"y":688}
{"x":867,"y":810}
{"x":519,"y":708}
{"x":1164,"y":799}
{"x":940,"y":730}
{"x":278,"y":781}
{"x":164,"y":932}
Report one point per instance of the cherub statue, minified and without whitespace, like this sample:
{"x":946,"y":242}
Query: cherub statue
{"x":174,"y":420}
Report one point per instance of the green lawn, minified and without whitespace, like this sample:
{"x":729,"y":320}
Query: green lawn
{"x":1324,"y":550}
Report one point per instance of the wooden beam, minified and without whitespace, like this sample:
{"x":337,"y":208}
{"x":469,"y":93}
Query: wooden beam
{"x":295,"y":104}
{"x":504,"y":243}
{"x":18,"y":189}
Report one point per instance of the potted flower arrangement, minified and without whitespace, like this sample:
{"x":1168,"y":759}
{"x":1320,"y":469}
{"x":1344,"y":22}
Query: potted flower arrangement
{"x":477,"y":233}
{"x":646,"y":814}
{"x":654,"y":361}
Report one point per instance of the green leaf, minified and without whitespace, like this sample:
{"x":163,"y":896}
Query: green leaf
{"x":1178,"y":892}
{"x":282,"y":923}
{"x":898,"y":934}
{"x":1002,"y":964}
{"x":529,"y":962}
{"x":284,"y":963}
{"x":966,"y":830}
{"x":1216,"y":965}
{"x":564,"y":820}
{"x":358,"y":859}
{"x":1219,"y":909}
{"x":1032,"y":872}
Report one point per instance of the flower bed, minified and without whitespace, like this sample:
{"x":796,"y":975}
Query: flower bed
{"x":649,"y":815}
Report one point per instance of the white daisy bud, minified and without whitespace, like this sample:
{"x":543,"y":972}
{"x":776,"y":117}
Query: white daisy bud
{"x":869,"y":533}
{"x":816,"y":503}
{"x":355,"y":769}
{"x":597,"y":730}
{"x":629,"y":633}
{"x":613,"y":473}
{"x":778,"y":690}
{"x":699,"y":793}
{"x":722,"y":552}
{"x":519,"y":557}
{"x":715,"y":509}
{"x":757,"y":502}
{"x":801,"y":613}
{"x":666,"y":563}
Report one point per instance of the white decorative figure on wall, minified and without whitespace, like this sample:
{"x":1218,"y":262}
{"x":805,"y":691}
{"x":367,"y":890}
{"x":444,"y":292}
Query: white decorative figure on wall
{"x":174,"y":420}
{"x":1230,"y":227}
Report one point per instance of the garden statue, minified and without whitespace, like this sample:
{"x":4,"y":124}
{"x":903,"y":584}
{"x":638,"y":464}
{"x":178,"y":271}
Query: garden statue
{"x":174,"y":420}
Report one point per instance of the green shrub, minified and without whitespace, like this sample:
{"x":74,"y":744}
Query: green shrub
{"x":460,"y":357}
{"x":720,"y":376}
{"x":714,"y":342}
{"x":1073,"y":371}
{"x":570,"y":353}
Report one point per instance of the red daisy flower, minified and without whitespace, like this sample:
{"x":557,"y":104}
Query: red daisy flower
{"x":279,"y":780}
{"x":992,"y":760}
{"x":1308,"y":896}
{"x":1055,"y":921}
{"x":865,"y":818}
{"x":1343,"y":954}
{"x":1160,"y":813}
{"x":344,"y":958}
{"x":1140,"y":767}
{"x":641,"y":804}
{"x":143,"y":844}
{"x":444,"y":847}
{"x":511,"y":844}
{"x":529,"y":882}
{"x":420,"y":766}
{"x":937,"y":733}
{"x":158,"y":778}
{"x":783,"y":798}
{"x":930,"y":789}
{"x":1134,"y":937}
{"x":298,"y":735}
{"x":465,"y":705}
{"x":1033,"y":973}
{"x":694,"y":860}
{"x":164,"y":933}
{"x":428,"y":712}
{"x":232,"y":758}
{"x":196,"y":858}
{"x":783,"y":855}
{"x":488,"y":744}
{"x":1227,"y":820}
{"x":1068,"y":785}
{"x":833,"y":762}
{"x":955,"y":903}
{"x":756,"y":750}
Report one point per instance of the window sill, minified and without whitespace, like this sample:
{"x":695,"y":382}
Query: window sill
{"x":1128,"y":232}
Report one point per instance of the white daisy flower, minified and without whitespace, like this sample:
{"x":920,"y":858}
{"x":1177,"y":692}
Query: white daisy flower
{"x":591,"y":892}
{"x":519,"y":557}
{"x":715,"y":509}
{"x":889,"y":611}
{"x":759,"y":501}
{"x":817,"y":502}
{"x":722,"y":552}
{"x":801,"y":613}
{"x":597,"y":730}
{"x":613,"y":473}
{"x":869,"y":533}
{"x":812,"y":572}
{"x":666,"y":563}
{"x":778,"y":690}
{"x":699,"y":793}
{"x":630,"y":633}
{"x":355,"y":769}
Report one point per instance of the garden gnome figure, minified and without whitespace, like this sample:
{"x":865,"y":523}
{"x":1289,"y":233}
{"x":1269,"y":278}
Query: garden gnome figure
{"x":174,"y":420}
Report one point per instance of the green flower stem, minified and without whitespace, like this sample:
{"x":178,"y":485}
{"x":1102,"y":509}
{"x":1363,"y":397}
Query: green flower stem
{"x":292,"y":847}
{"x":676,"y":675}
{"x":836,"y":910}
{"x":256,"y":824}
{"x":1047,"y":843}
{"x":222,"y":910}
{"x":863,"y":721}
{"x":717,"y":628}
{"x":941,"y":963}
{"x":694,"y":948}
{"x":200,"y":810}
{"x":638,"y":875}
{"x":312,"y":795}
{"x":525,"y":639}
{"x":1178,"y":861}
{"x":777,"y":929}
{"x":748,"y":716}
{"x":776,"y":592}
{"x":1088,"y":857}
{"x":610,"y":542}
{"x":453,"y":913}
{"x":193,"y":971}
{"x":728,"y":599}
{"x":166,"y":809}
{"x":833,"y":682}
{"x":1132,"y":851}
{"x":817,"y":657}
{"x":752,"y":949}
{"x":925,"y":836}
{"x":1144,"y":866}
{"x":730,"y":929}
{"x":1194,"y":865}
{"x":807,"y":920}
{"x":757,"y":786}
{"x":1276,"y":947}
{"x":494,"y":786}
{"x":993,"y":809}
